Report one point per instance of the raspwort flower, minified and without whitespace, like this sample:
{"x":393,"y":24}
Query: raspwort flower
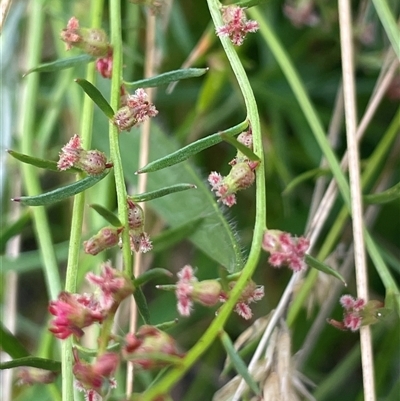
{"x":139,"y":239}
{"x":106,"y":238}
{"x":236,"y":24}
{"x":93,"y":162}
{"x":285,"y":249}
{"x":95,"y":379}
{"x":135,"y":111}
{"x":92,"y":41}
{"x":104,"y":65}
{"x":148,"y":346}
{"x":251,"y":293}
{"x":72,"y":313}
{"x":115,"y":286}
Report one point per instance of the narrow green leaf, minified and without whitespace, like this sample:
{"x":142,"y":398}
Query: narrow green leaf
{"x":13,"y":229}
{"x":107,"y":214}
{"x":239,"y":146}
{"x":151,"y":274}
{"x":167,"y":77}
{"x":250,"y":3}
{"x":61,"y":64}
{"x":192,"y":149}
{"x":316,"y":264}
{"x":41,"y":163}
{"x":96,"y":96}
{"x":166,"y":325}
{"x":238,"y":363}
{"x":141,"y":304}
{"x":62,"y":193}
{"x":310,"y":174}
{"x":146,"y":196}
{"x":389,"y":195}
{"x":41,"y":363}
{"x":10,"y":344}
{"x":172,"y":236}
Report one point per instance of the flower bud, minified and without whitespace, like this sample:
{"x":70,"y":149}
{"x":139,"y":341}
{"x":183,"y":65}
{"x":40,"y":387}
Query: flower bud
{"x":29,"y":375}
{"x":106,"y":238}
{"x":206,"y":292}
{"x":135,"y":215}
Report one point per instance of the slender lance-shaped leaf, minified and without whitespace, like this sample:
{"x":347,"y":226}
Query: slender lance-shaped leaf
{"x":61,"y":64}
{"x":107,"y":214}
{"x":238,"y":363}
{"x":13,"y":229}
{"x":167,"y":77}
{"x":192,"y":149}
{"x":316,"y":264}
{"x":62,"y":193}
{"x":141,"y":304}
{"x":314,"y":173}
{"x":10,"y":344}
{"x":389,"y":195}
{"x":146,"y":196}
{"x":166,"y":325}
{"x":96,"y":96}
{"x":240,"y":147}
{"x":151,"y":275}
{"x":41,"y":363}
{"x":41,"y":163}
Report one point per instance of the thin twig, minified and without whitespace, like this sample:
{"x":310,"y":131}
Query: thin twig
{"x":355,"y":190}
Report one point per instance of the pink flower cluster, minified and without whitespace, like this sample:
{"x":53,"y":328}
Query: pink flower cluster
{"x":73,"y":312}
{"x":136,"y":109}
{"x":209,"y":292}
{"x":236,"y":24}
{"x":93,"y":162}
{"x":352,"y":308}
{"x":285,"y":250}
{"x":240,"y":177}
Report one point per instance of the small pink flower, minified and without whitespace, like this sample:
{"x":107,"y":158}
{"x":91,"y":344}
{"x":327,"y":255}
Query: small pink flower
{"x":115,"y":286}
{"x":136,"y":110}
{"x":236,"y":24}
{"x":104,"y":65}
{"x":93,"y":162}
{"x":72,"y":313}
{"x":285,"y":249}
{"x":184,"y":289}
{"x":355,"y":310}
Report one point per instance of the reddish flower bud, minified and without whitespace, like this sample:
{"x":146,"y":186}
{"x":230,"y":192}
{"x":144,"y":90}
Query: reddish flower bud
{"x":72,"y":313}
{"x":106,"y":238}
{"x":29,"y":375}
{"x":135,"y":215}
{"x":115,"y":286}
{"x":206,"y":292}
{"x":104,"y":65}
{"x":92,"y":41}
{"x":236,"y":24}
{"x":136,"y":110}
{"x":139,"y":239}
{"x":147,"y":348}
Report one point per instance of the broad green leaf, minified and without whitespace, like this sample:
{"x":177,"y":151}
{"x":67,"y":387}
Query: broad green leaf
{"x":389,"y":195}
{"x":214,"y":235}
{"x":41,"y":363}
{"x":151,"y":275}
{"x":167,"y":77}
{"x":158,"y":193}
{"x":61,"y":64}
{"x":13,"y":229}
{"x":238,"y":363}
{"x":62,"y":193}
{"x":41,"y":163}
{"x":191,"y":149}
{"x":316,"y":264}
{"x":239,"y":146}
{"x":106,"y":214}
{"x":10,"y":344}
{"x":96,"y":96}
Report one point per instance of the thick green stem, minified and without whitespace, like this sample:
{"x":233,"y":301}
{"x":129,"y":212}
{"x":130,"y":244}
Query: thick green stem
{"x":260,"y":224}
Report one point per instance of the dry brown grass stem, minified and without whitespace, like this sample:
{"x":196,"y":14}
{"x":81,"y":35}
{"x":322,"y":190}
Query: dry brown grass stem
{"x":345,"y":24}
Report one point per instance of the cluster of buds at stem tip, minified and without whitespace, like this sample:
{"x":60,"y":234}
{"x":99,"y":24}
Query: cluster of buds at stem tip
{"x":135,"y":110}
{"x":241,"y":176}
{"x":106,"y":238}
{"x":139,"y":239}
{"x":93,"y":162}
{"x":150,"y":348}
{"x":357,"y":313}
{"x":237,"y":26}
{"x":285,"y":250}
{"x":95,"y":379}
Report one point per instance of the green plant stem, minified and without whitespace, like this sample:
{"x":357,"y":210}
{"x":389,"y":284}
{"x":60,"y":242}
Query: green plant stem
{"x":209,"y":336}
{"x":116,"y":41}
{"x":31,"y":180}
{"x":77,"y":217}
